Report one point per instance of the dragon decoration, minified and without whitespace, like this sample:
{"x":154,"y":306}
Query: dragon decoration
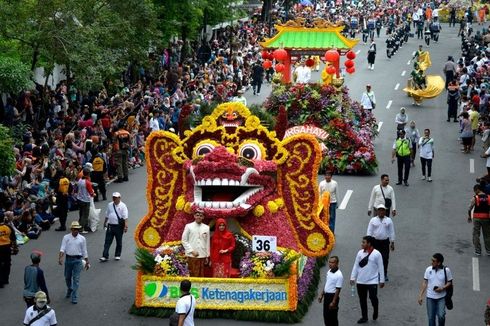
{"x":232,"y":166}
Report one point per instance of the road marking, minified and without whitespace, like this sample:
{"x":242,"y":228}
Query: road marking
{"x":404,"y":72}
{"x":389,"y":104}
{"x":472,"y":165}
{"x":358,"y":51}
{"x":344,"y":202}
{"x":476,"y":274}
{"x":379,"y":125}
{"x":396,"y":86}
{"x":408,"y":63}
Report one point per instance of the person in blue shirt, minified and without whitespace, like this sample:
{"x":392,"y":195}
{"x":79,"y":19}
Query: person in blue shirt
{"x":34,"y":280}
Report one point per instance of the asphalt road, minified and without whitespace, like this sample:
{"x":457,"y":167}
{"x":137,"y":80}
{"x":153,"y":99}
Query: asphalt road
{"x":432,"y":218}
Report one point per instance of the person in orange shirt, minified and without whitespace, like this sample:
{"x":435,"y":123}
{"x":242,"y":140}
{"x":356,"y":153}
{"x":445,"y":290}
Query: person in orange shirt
{"x":482,"y":15}
{"x":428,"y":14}
{"x":8,"y":245}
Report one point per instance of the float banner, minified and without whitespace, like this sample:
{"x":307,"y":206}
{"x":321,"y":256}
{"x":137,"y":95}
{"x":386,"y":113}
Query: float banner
{"x":219,"y":293}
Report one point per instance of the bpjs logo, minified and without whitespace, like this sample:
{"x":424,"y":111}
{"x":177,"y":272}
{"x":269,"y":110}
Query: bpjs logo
{"x":155,"y":290}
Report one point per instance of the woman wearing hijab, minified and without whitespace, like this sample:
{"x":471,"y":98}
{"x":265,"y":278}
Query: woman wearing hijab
{"x":222,"y":246}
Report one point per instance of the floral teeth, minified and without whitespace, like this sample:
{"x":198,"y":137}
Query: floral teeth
{"x":238,"y":202}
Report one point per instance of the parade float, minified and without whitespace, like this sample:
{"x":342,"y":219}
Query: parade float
{"x":233,"y":167}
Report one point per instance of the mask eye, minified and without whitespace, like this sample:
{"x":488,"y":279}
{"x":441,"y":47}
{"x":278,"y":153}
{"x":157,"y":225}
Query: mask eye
{"x":204,"y":149}
{"x":251,"y":152}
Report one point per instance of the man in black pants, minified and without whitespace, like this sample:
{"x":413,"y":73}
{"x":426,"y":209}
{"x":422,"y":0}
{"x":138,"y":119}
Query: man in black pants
{"x":331,"y":292}
{"x":368,"y":272}
{"x":381,"y":228}
{"x":401,"y":149}
{"x":257,"y":77}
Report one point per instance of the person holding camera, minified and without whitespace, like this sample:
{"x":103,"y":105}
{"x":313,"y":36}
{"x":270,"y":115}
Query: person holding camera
{"x":115,"y":224}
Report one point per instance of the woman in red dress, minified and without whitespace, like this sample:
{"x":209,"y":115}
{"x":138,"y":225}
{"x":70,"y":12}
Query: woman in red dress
{"x":222,"y":246}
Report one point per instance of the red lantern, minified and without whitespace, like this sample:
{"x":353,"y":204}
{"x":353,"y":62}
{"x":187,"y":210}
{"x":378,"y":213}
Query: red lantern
{"x":350,"y":55}
{"x":267,"y":64}
{"x":280,"y":67}
{"x":265,"y":55}
{"x":349,"y":64}
{"x":351,"y":70}
{"x":310,"y":63}
{"x":331,"y":70}
{"x":332,"y":55}
{"x":280,"y":54}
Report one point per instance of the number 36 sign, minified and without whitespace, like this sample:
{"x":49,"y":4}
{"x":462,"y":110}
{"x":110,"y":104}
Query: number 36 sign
{"x":264,"y":243}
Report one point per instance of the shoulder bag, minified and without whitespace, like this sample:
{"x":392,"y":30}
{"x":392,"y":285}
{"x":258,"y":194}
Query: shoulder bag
{"x":174,"y":318}
{"x":363,"y":262}
{"x":373,"y":105}
{"x":387,"y":200}
{"x":449,"y":292}
{"x":120,"y":220}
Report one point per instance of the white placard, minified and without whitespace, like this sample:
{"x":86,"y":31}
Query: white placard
{"x":264,"y":243}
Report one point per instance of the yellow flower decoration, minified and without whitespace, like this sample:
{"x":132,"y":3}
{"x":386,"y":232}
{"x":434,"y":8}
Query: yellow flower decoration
{"x":259,"y":210}
{"x":188,"y":208}
{"x":273,"y":208}
{"x":279,"y":202}
{"x":316,"y":241}
{"x":180,"y":203}
{"x":151,"y":237}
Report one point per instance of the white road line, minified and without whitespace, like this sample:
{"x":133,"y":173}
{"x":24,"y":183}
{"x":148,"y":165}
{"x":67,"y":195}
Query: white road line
{"x":404,"y":72}
{"x":358,"y":51}
{"x":380,"y":124}
{"x":476,"y":274}
{"x":396,"y":86}
{"x":344,"y":202}
{"x":472,"y":165}
{"x":389,"y":104}
{"x":408,"y":63}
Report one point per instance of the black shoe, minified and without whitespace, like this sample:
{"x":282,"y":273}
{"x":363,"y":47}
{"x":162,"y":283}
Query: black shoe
{"x":61,"y":228}
{"x":455,"y":121}
{"x":104,"y":198}
{"x":119,"y":180}
{"x":375,"y":315}
{"x":406,"y":184}
{"x":398,"y":183}
{"x":125,"y":179}
{"x":448,"y":120}
{"x":362,"y":321}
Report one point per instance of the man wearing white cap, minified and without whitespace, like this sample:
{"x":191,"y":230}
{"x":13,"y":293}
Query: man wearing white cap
{"x":381,"y":228}
{"x":116,"y":223}
{"x":40,"y":314}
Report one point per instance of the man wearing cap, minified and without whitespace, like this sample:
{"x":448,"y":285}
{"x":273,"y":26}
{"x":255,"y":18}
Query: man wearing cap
{"x":74,"y":247}
{"x":116,"y":223}
{"x":368,"y":99}
{"x":85,"y":192}
{"x":196,"y":242}
{"x":40,"y":314}
{"x":381,"y":228}
{"x":34,"y":280}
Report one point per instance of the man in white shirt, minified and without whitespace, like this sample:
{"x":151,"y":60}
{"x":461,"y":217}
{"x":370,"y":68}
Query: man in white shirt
{"x":74,"y":247}
{"x":381,"y":228}
{"x":115,"y":224}
{"x":303,"y":74}
{"x":40,"y":314}
{"x":368,"y":99}
{"x":437,"y":280}
{"x":426,"y":146}
{"x":186,"y":305}
{"x":368,"y":272}
{"x":240,"y":98}
{"x":331,"y":186}
{"x":382,"y":194}
{"x":331,"y":292}
{"x":154,"y":125}
{"x":196,"y":242}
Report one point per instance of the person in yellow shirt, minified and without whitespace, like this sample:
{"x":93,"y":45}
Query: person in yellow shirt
{"x":402,"y":151}
{"x":8,"y":245}
{"x":475,"y":124}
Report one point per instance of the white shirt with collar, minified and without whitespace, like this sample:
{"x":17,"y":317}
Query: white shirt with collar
{"x":381,"y":229}
{"x":426,"y":148}
{"x":48,"y":319}
{"x":154,"y":125}
{"x":372,"y":272}
{"x":196,"y":237}
{"x":333,"y":281}
{"x":366,"y":100}
{"x":331,"y":187}
{"x":436,"y":278}
{"x":377,"y":197}
{"x":111,"y":215}
{"x":74,"y":246}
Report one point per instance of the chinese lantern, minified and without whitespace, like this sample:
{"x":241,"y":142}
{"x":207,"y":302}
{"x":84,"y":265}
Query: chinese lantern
{"x":332,"y":55}
{"x":351,"y":70}
{"x":280,"y":54}
{"x":331,"y":70}
{"x":349,"y":63}
{"x":265,"y":55}
{"x":310,"y":62}
{"x":350,"y":55}
{"x":267,"y":64}
{"x":280,"y":67}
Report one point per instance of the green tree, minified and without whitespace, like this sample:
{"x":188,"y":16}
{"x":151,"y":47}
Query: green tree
{"x":7,"y":155}
{"x":14,"y":75}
